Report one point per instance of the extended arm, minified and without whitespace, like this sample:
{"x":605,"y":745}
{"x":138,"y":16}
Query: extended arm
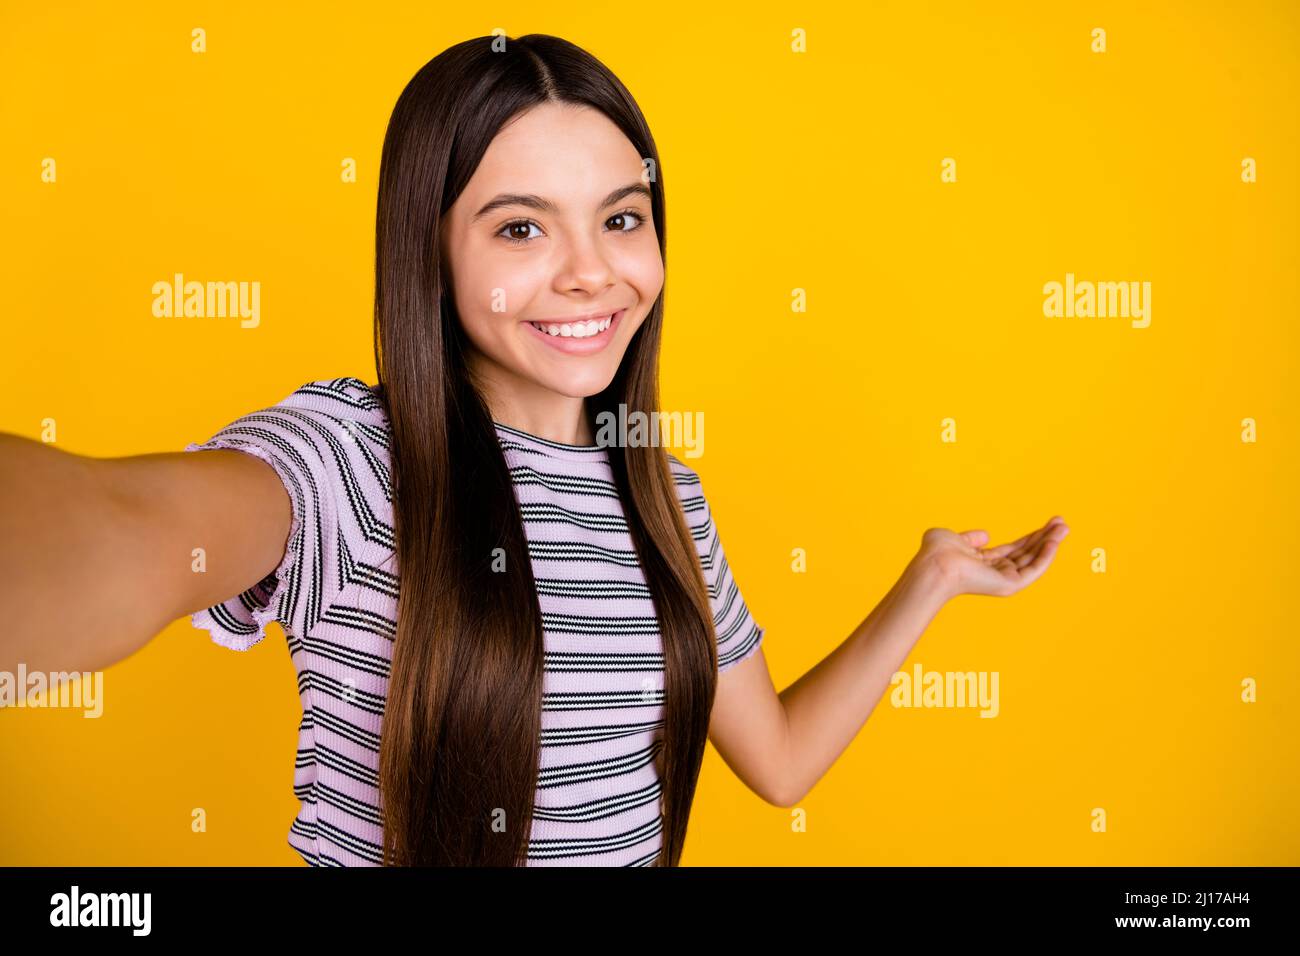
{"x":780,"y":745}
{"x":97,"y":554}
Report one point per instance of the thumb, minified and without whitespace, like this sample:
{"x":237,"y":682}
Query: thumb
{"x":976,"y":539}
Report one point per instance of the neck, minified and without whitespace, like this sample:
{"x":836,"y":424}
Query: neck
{"x":538,"y":411}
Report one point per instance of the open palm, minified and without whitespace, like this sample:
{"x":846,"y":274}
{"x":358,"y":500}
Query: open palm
{"x":970,"y":568}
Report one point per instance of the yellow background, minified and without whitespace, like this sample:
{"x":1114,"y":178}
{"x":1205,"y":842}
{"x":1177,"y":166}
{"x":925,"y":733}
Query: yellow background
{"x":818,"y":171}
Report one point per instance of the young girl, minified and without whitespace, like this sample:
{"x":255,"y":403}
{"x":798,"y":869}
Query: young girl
{"x":512,"y":641}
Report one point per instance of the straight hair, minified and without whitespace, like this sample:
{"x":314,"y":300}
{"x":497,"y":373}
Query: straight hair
{"x":459,"y":749}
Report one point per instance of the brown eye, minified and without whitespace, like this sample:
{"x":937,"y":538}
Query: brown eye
{"x":622,"y":217}
{"x":510,"y":234}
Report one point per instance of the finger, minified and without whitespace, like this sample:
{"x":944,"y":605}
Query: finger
{"x":976,"y":539}
{"x":1026,"y":557}
{"x":1043,"y":559}
{"x":1056,"y":533}
{"x":1032,"y":572}
{"x":1026,"y":553}
{"x":1003,"y":550}
{"x":1019,"y":545}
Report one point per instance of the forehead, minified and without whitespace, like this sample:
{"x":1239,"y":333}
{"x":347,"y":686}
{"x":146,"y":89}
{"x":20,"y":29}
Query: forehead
{"x":559,"y":151}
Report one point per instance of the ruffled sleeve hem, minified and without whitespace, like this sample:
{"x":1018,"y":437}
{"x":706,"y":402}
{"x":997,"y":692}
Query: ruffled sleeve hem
{"x":240,"y":622}
{"x":755,"y":642}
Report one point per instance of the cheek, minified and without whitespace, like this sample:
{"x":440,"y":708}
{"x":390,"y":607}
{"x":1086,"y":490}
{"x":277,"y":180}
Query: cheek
{"x":646,"y":275}
{"x":490,"y":296}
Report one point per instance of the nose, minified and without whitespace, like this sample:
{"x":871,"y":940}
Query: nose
{"x":585,"y":267}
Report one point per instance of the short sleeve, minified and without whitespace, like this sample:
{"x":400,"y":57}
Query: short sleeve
{"x":738,"y":634}
{"x":324,"y":441}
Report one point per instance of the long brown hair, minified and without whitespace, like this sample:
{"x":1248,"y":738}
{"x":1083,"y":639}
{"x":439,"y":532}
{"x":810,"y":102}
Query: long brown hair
{"x":459,"y":750}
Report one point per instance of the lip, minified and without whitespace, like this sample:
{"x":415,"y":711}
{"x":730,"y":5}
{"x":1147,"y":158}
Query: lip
{"x":584,"y":346}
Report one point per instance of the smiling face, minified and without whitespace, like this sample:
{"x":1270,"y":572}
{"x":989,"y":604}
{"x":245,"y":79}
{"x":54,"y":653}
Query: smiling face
{"x":554,"y":227}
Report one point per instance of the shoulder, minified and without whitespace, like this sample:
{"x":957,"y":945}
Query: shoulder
{"x":345,"y":421}
{"x":328,"y":443}
{"x":346,"y":399}
{"x":322,"y":414}
{"x":690,"y":492}
{"x":684,"y":476}
{"x":324,"y":433}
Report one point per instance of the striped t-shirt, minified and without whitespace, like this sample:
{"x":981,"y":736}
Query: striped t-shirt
{"x":335,"y":596}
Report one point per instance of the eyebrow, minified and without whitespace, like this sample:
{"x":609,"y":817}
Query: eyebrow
{"x":545,"y":205}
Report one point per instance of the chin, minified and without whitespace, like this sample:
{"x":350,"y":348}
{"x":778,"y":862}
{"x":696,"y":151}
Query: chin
{"x":582,"y":387}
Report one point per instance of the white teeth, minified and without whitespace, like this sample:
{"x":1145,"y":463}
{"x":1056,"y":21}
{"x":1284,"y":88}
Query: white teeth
{"x":576,"y":330}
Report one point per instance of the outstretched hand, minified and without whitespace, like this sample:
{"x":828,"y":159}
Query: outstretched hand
{"x":968,"y":567}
